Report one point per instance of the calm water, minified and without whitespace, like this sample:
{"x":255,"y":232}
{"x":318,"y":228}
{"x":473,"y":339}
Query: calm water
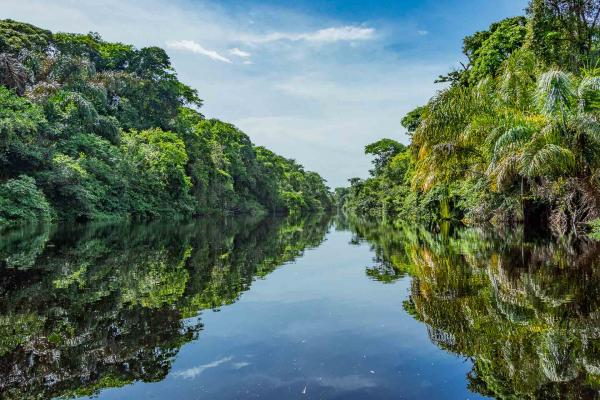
{"x":298,"y":309}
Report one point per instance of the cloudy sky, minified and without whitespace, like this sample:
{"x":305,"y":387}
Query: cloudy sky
{"x":314,"y":80}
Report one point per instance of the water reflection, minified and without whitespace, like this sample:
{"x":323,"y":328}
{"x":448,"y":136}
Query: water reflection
{"x":86,"y":308}
{"x":526,"y":312}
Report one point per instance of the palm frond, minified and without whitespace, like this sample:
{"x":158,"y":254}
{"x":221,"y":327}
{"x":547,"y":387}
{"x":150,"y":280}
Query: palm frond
{"x":589,"y":126}
{"x":555,"y":93}
{"x":511,"y":139}
{"x":588,"y":93}
{"x":504,"y":171}
{"x":447,"y":115}
{"x":478,"y":130}
{"x":516,"y":80}
{"x":549,"y":159}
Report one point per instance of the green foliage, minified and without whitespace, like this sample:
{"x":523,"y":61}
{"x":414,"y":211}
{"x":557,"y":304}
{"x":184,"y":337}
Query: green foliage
{"x":21,"y":128}
{"x":224,"y":168}
{"x":107,"y":130}
{"x":412,"y":120}
{"x":297,"y":190}
{"x":521,"y":309}
{"x":117,"y":301}
{"x":383,"y":150}
{"x":595,"y":229}
{"x":22,"y":202}
{"x":489,"y":49}
{"x":17,"y":330}
{"x":17,"y":36}
{"x":387,"y":194}
{"x":563,"y":33}
{"x":390,"y":195}
{"x":516,"y":137}
{"x":162,"y":158}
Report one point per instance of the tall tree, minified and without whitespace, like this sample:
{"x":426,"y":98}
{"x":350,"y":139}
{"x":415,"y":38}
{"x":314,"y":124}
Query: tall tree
{"x":562,"y":32}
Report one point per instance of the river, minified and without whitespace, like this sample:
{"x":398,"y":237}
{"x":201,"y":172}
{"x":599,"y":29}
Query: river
{"x":313,"y":308}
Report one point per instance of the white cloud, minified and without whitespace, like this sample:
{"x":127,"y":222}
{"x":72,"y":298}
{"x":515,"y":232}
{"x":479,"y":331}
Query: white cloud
{"x":191,"y":46}
{"x":239,"y":53}
{"x":248,"y":62}
{"x":318,"y":107}
{"x":191,"y":373}
{"x":327,"y":35}
{"x":422,"y":32}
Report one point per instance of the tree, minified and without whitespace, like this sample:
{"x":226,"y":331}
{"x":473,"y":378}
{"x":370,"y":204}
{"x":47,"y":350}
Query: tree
{"x":412,"y":120}
{"x":22,"y":202}
{"x":562,"y":32}
{"x":107,"y":130}
{"x":16,"y":37}
{"x":383,"y":150}
{"x":487,"y":50}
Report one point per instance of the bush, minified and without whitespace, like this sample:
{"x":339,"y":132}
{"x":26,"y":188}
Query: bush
{"x":22,"y":202}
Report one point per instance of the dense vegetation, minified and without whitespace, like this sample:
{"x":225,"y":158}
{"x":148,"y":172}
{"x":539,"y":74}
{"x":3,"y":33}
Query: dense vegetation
{"x":524,"y":312}
{"x":513,"y":136}
{"x":93,"y":130}
{"x":84,"y":308}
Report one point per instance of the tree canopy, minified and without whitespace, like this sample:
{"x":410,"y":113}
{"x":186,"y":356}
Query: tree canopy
{"x":514,"y":136}
{"x":91,"y":129}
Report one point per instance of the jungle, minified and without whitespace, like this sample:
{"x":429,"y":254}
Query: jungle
{"x":513,"y":135}
{"x":93,"y":130}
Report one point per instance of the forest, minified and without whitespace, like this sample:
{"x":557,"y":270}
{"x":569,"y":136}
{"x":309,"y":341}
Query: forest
{"x":93,"y":130}
{"x":513,"y":135}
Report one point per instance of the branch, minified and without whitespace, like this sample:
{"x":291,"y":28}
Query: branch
{"x":595,"y":21}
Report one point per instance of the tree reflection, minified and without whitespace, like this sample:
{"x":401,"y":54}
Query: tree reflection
{"x":526,"y":312}
{"x":85,"y":308}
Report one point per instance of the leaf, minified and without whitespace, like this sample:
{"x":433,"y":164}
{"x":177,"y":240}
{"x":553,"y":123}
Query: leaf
{"x":550,"y":159}
{"x":555,"y":93}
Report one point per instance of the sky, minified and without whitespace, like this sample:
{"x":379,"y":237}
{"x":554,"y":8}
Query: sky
{"x":315,"y":81}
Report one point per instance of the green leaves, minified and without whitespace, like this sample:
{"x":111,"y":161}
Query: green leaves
{"x":555,"y":94}
{"x":488,"y":50}
{"x":161,"y":155}
{"x":547,"y":160}
{"x":297,"y":191}
{"x":588,"y":93}
{"x":383,"y":150}
{"x":563,"y":33}
{"x":110,"y":131}
{"x":18,"y":118}
{"x":18,"y":36}
{"x":21,"y":202}
{"x":412,"y":120}
{"x":518,"y":127}
{"x":517,"y":80}
{"x":512,"y":140}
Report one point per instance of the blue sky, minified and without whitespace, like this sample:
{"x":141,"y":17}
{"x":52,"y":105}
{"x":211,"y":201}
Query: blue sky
{"x":312,"y":80}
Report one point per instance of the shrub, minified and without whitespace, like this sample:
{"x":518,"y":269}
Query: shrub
{"x":22,"y":202}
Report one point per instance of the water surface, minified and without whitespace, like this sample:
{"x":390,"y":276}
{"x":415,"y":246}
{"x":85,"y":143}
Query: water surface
{"x":299,"y":309}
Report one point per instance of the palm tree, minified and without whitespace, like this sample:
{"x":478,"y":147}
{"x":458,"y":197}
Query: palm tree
{"x":560,"y":146}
